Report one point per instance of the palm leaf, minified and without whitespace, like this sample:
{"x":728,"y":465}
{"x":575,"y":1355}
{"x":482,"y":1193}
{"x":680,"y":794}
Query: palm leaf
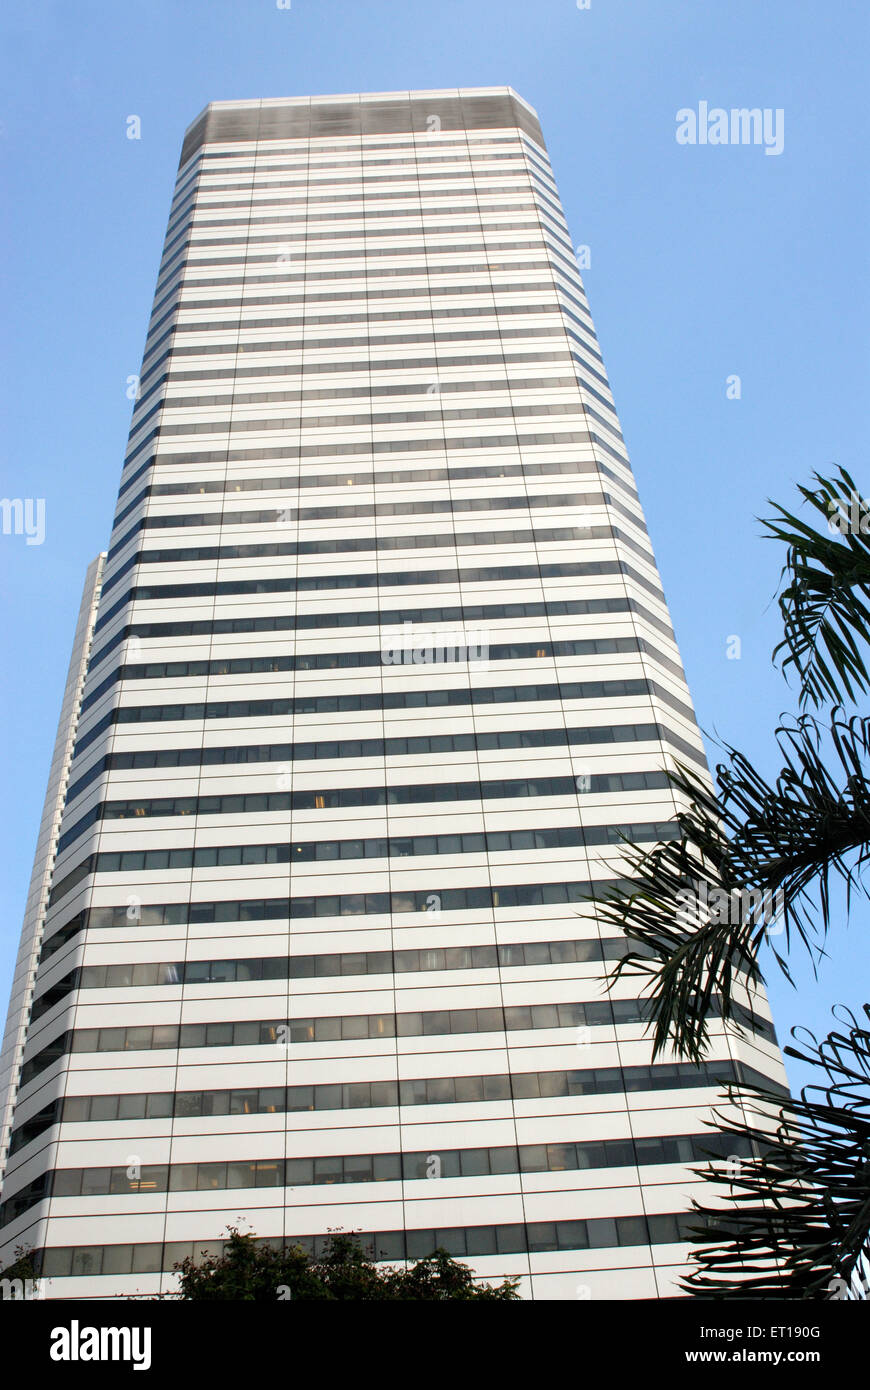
{"x":796,"y":1223}
{"x":759,"y":845}
{"x":824,"y":604}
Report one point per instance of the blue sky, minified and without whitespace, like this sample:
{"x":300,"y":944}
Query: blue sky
{"x":705,"y":262}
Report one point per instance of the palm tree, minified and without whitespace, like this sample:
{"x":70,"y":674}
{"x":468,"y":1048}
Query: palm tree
{"x":698,"y":910}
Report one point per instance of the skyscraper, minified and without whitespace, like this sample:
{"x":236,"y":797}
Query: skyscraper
{"x":373,"y":678}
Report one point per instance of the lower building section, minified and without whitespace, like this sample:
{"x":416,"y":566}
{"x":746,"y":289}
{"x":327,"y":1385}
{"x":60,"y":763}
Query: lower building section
{"x":576,"y":1177}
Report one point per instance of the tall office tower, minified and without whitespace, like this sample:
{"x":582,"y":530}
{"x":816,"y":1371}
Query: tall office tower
{"x":379,"y":669}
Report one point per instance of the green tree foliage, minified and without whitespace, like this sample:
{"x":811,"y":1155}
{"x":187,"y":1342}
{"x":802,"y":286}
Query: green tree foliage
{"x":256,"y":1272}
{"x":22,"y":1266}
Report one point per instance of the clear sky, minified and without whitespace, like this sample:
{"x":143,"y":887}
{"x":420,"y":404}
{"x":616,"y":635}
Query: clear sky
{"x":706,"y":262}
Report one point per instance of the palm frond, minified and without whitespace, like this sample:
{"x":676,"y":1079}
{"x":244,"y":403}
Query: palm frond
{"x":796,"y":1223}
{"x":824,"y":603}
{"x":699,"y":907}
